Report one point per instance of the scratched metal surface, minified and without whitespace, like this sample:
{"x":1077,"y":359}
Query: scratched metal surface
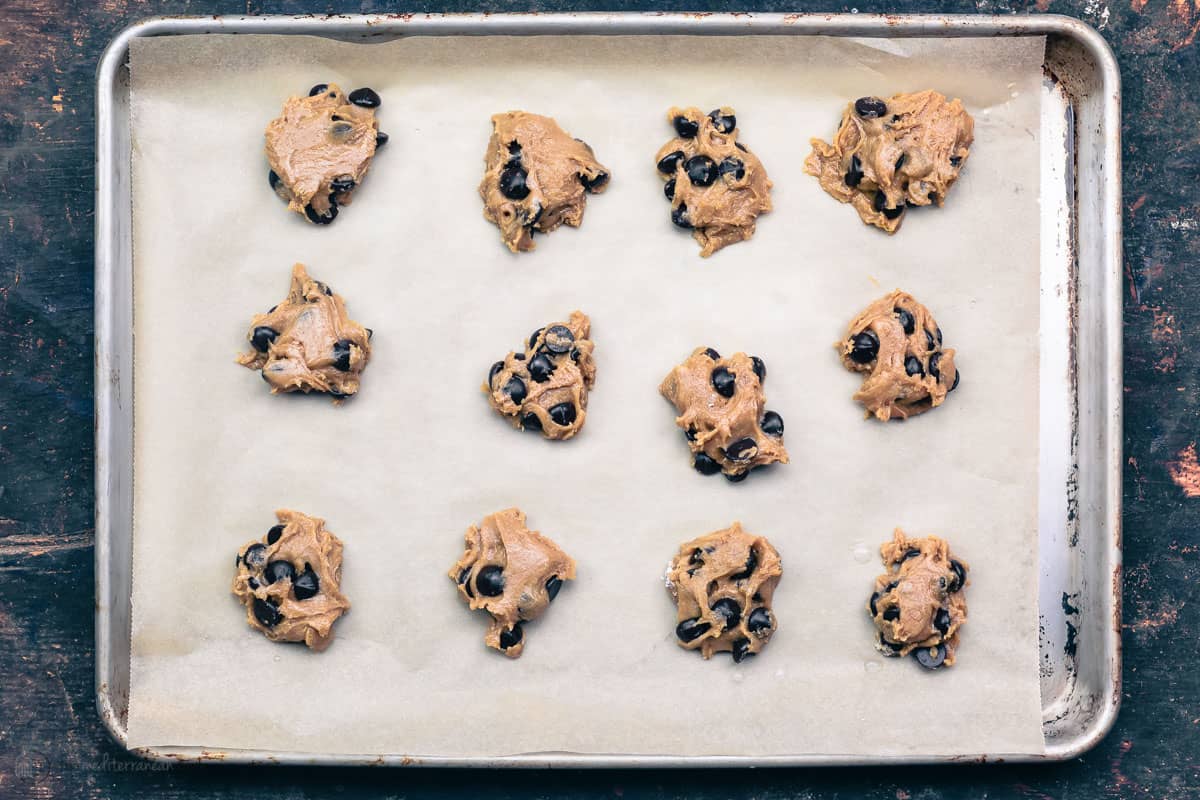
{"x":51,"y":741}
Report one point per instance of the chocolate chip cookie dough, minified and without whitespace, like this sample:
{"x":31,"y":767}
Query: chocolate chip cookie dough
{"x":716,"y":186}
{"x":289,"y":581}
{"x":723,"y":584}
{"x":897,"y":344}
{"x":722,"y":413}
{"x":545,"y":388}
{"x":535,"y":177}
{"x":307,"y":343}
{"x":512,"y":573}
{"x":918,"y":605}
{"x":891,"y":154}
{"x":320,"y":148}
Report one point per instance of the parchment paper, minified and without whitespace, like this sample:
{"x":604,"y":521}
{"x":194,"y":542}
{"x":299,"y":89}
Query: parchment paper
{"x":400,"y":471}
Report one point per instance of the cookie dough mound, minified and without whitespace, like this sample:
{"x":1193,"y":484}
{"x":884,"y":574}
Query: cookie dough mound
{"x":918,"y":605}
{"x":320,"y":148}
{"x":545,"y":388}
{"x":722,"y":412}
{"x":897,"y":344}
{"x":895,"y":153}
{"x":723,"y":584}
{"x":716,"y":186}
{"x":307,"y":343}
{"x":512,"y":573}
{"x":289,"y":581}
{"x":535,"y":177}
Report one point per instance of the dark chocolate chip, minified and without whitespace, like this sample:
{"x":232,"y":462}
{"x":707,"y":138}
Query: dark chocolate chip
{"x":592,"y":184}
{"x":514,"y":148}
{"x":512,"y":183}
{"x":273,"y":179}
{"x":262,"y":337}
{"x":493,"y":372}
{"x":724,"y":123}
{"x":531,"y":422}
{"x":266,"y":613}
{"x":705,"y":465}
{"x":737,"y":477}
{"x":890,"y":649}
{"x":306,"y":584}
{"x":929,"y":342}
{"x":759,"y":620}
{"x":955,"y":160}
{"x":941,"y":621}
{"x":864,"y":347}
{"x":318,"y":89}
{"x":559,"y":339}
{"x":751,"y":565}
{"x":891,"y":613}
{"x":957,"y":375}
{"x":321,"y":219}
{"x":670,"y":162}
{"x":935,"y":362}
{"x":686,"y":128}
{"x":912,"y":366}
{"x":713,"y":354}
{"x":553,"y":585}
{"x":772,"y":424}
{"x":511,"y":637}
{"x":854,"y":175}
{"x":879,"y":203}
{"x":342,"y":184}
{"x":939,"y":336}
{"x":381,"y":138}
{"x":900,"y":162}
{"x":742,"y":449}
{"x":870,"y":107}
{"x":930,"y":657}
{"x":734,"y":167}
{"x":563,"y":414}
{"x":873,"y":604}
{"x":669,"y":189}
{"x":691,"y":629}
{"x":253,"y":583}
{"x":367,"y":98}
{"x":255,"y":555}
{"x":489,"y":582}
{"x":724,"y":381}
{"x":906,"y":320}
{"x":760,"y":368}
{"x":274,"y":534}
{"x":533,"y":337}
{"x":960,"y":575}
{"x":701,"y":170}
{"x":696,"y":557}
{"x":690,"y":434}
{"x":741,"y":147}
{"x":679,"y":216}
{"x":278,"y":570}
{"x":462,"y":581}
{"x":541,"y":368}
{"x":515,"y":388}
{"x":911,"y":552}
{"x":728,"y":608}
{"x":741,"y":650}
{"x":341,"y":354}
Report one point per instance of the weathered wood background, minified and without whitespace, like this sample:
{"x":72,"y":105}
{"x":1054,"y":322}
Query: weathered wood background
{"x":51,"y":742}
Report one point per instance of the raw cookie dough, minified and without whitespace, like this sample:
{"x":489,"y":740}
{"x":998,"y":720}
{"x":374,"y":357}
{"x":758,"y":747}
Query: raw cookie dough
{"x":723,"y":583}
{"x":898,"y":345}
{"x":721,"y":411}
{"x":535,"y":177}
{"x":307,"y":343}
{"x":716,"y":186}
{"x":546,"y":387}
{"x":512,"y":573}
{"x":918,"y":604}
{"x":891,"y":154}
{"x":289,"y":581}
{"x":320,"y":148}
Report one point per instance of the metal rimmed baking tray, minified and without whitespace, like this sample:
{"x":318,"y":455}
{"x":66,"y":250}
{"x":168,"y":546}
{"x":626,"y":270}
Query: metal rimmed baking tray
{"x":1079,"y":471}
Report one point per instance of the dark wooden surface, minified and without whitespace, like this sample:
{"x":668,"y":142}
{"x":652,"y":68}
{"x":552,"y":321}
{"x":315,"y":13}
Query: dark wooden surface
{"x":51,"y":741}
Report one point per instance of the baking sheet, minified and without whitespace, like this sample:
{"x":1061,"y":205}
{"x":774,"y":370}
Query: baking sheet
{"x":402,"y":469}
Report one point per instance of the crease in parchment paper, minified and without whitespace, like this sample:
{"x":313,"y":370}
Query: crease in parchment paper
{"x":400,"y":471}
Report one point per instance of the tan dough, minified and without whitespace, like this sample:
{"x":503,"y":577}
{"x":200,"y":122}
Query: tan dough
{"x":919,"y":604}
{"x":889,"y":154}
{"x":289,"y":581}
{"x":723,"y":584}
{"x":716,"y":186}
{"x":545,"y":388}
{"x":897,"y":344}
{"x":535,"y":177}
{"x":307,"y":343}
{"x":730,"y":432}
{"x":320,"y":148}
{"x":512,"y":573}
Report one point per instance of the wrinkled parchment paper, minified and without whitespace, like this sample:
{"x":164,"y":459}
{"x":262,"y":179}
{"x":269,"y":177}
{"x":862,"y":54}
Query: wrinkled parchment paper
{"x":400,"y":471}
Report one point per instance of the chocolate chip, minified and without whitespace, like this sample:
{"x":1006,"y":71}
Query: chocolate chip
{"x":912,"y":366}
{"x":685,"y":127}
{"x":592,"y":184}
{"x":879,"y":203}
{"x":324,"y":289}
{"x":262,"y":337}
{"x":935,"y":362}
{"x":759,"y":620}
{"x":563,"y":414}
{"x":751,"y":565}
{"x":531,"y":422}
{"x":553,"y":585}
{"x":705,"y":465}
{"x":519,"y":356}
{"x":701,"y":170}
{"x":864,"y":347}
{"x":939,"y":336}
{"x":321,"y":219}
{"x":690,"y":434}
{"x":957,"y":375}
{"x":515,"y":389}
{"x":512,"y":183}
{"x":463,"y":574}
{"x":724,"y":381}
{"x":541,"y":368}
{"x":493,"y":372}
{"x":891,"y":613}
{"x":734,"y":167}
{"x":930,"y":657}
{"x":255,"y":555}
{"x":490,"y":581}
{"x":713,"y":354}
{"x":670,"y":162}
{"x":741,"y":147}
{"x":741,"y":650}
{"x":941,"y":621}
{"x":274,"y":534}
{"x":318,"y":89}
{"x":960,"y":575}
{"x":737,"y":477}
{"x":760,"y":368}
{"x":253,"y":583}
{"x":266,"y":613}
{"x":669,"y":189}
{"x":728,"y":608}
{"x":906,"y":320}
{"x":696,"y":557}
{"x":680,"y":216}
{"x":559,"y":339}
{"x":341,"y":354}
{"x":724,"y":123}
{"x":854,"y":175}
{"x":873,"y":604}
{"x":340,"y":127}
{"x":772,"y":424}
{"x":691,"y":629}
{"x":911,"y":552}
{"x":511,"y":637}
{"x":273,"y":179}
{"x":870,"y":107}
{"x":514,"y":148}
{"x":889,"y":649}
{"x":955,"y":160}
{"x":900,"y":162}
{"x":277,"y":571}
{"x":367,"y":98}
{"x":533,"y":337}
{"x":929,"y":343}
{"x":381,"y":138}
{"x":306,"y":584}
{"x":742,"y":449}
{"x":342,"y":184}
